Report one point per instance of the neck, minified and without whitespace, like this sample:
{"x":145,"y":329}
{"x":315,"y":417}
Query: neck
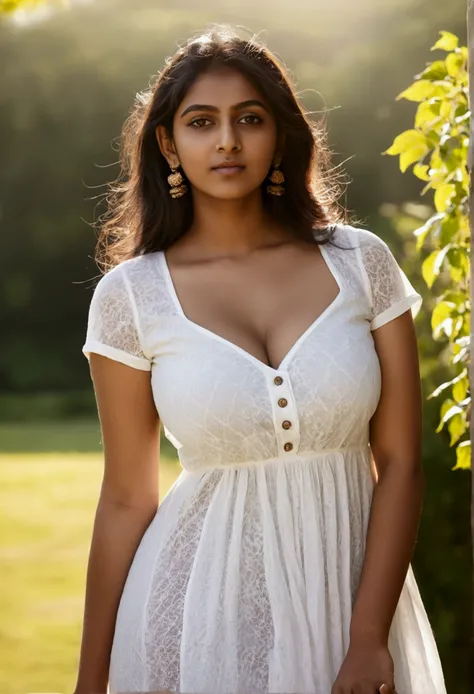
{"x":232,"y":227}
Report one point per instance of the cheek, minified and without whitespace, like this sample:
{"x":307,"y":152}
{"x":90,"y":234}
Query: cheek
{"x":260,"y":152}
{"x":192,"y":148}
{"x":197,"y":151}
{"x":260,"y":143}
{"x":258,"y":140}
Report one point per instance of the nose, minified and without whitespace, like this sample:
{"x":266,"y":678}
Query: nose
{"x":228,"y":140}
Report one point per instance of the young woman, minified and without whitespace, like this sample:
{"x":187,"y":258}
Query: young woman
{"x":276,"y":344}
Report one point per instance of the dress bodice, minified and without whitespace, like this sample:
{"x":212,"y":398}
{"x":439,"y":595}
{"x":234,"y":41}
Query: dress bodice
{"x":222,"y":406}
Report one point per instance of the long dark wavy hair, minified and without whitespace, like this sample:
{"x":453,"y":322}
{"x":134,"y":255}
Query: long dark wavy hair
{"x":142,"y":217}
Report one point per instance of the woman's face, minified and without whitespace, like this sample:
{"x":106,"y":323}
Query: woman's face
{"x":223,"y":119}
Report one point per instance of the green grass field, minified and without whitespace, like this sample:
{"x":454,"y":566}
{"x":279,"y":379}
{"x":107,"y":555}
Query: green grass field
{"x":47,"y":505}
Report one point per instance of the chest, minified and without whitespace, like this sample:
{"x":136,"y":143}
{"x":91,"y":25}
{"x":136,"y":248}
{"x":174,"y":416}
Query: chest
{"x":312,"y":386}
{"x":221,"y":405}
{"x":264,"y":308}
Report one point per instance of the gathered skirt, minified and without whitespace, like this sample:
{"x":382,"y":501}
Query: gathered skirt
{"x":245,"y":580}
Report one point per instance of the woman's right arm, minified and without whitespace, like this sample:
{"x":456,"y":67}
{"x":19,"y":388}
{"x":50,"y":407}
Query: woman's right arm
{"x":128,"y":502}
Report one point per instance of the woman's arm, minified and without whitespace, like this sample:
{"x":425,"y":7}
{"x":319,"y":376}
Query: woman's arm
{"x":395,"y":438}
{"x":128,"y":502}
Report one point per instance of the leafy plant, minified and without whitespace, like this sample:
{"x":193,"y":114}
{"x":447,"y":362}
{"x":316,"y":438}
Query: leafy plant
{"x":437,"y":146}
{"x":8,"y":7}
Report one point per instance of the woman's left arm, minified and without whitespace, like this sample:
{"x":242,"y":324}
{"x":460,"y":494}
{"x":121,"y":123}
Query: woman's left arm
{"x":396,"y":440}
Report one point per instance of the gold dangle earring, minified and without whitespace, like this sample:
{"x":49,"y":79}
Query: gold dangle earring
{"x":277,"y":179}
{"x":176,"y":181}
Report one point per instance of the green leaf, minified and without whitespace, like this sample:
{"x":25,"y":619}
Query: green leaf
{"x":462,"y":356}
{"x":448,"y":410}
{"x":426,"y":113}
{"x":447,"y":327}
{"x":10,"y":6}
{"x":439,"y":390}
{"x":443,"y":195}
{"x":460,"y":390}
{"x":459,"y":263}
{"x":466,"y":328}
{"x":461,"y":346}
{"x":411,"y":155}
{"x":452,"y":162}
{"x":460,"y":376}
{"x":437,"y":146}
{"x":464,"y":341}
{"x":445,"y":406}
{"x":432,"y":264}
{"x":446,"y":108}
{"x":433,"y":137}
{"x":441,"y":312}
{"x":457,"y":256}
{"x":456,"y":274}
{"x":449,"y":228}
{"x":454,"y":64}
{"x":447,"y":42}
{"x":463,"y":456}
{"x":421,"y":90}
{"x":459,"y":354}
{"x":456,"y":427}
{"x":455,"y":297}
{"x":421,"y":171}
{"x":461,"y":114}
{"x":434,"y":71}
{"x":451,"y":412}
{"x":405,"y":141}
{"x":436,"y":163}
{"x":428,"y":226}
{"x":457,"y":327}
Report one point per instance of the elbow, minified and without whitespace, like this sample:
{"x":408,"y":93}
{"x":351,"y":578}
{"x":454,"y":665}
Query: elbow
{"x":405,"y":483}
{"x":145,"y":506}
{"x":405,"y":470}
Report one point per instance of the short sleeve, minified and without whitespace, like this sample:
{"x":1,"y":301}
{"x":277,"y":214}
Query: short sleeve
{"x":112,"y":328}
{"x":391,"y":292}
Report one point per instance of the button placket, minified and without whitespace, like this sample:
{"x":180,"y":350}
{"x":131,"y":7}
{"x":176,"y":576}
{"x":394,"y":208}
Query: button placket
{"x":285,"y":414}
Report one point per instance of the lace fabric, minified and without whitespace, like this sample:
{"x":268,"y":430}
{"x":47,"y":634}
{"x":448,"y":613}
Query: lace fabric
{"x":391,"y":291}
{"x":245,"y":580}
{"x":113,"y":322}
{"x":134,"y":294}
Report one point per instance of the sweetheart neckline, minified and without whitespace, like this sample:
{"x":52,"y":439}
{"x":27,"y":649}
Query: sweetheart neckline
{"x":284,"y":364}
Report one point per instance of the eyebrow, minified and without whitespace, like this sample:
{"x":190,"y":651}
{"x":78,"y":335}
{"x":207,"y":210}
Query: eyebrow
{"x":236,"y":107}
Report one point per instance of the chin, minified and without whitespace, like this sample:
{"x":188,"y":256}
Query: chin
{"x":233,"y":194}
{"x":230,"y":196}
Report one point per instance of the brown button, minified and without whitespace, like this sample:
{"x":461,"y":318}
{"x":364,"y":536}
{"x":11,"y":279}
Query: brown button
{"x":278,"y":380}
{"x":288,"y":446}
{"x":286,"y":424}
{"x":283,"y":402}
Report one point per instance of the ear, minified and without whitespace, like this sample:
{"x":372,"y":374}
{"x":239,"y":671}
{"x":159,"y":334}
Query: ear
{"x":166,"y":145}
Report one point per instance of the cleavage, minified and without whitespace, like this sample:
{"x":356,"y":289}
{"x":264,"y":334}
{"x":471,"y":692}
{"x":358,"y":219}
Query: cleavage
{"x":263,"y":308}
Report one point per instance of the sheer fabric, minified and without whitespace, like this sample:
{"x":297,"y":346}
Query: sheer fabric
{"x":245,"y":580}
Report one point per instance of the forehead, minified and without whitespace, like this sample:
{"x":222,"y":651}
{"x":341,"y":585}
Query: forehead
{"x":221,"y":87}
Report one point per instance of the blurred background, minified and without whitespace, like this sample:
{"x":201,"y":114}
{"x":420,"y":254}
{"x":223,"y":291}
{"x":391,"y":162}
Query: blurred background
{"x":68,"y":79}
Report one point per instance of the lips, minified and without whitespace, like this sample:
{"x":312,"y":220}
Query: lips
{"x":228,"y":165}
{"x":228,"y":169}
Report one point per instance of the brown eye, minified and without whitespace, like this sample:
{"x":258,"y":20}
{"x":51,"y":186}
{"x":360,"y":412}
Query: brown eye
{"x":199,"y":121}
{"x":256,"y":119}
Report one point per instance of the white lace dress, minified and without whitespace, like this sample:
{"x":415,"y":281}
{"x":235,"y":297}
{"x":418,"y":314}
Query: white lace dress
{"x":245,"y":579}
